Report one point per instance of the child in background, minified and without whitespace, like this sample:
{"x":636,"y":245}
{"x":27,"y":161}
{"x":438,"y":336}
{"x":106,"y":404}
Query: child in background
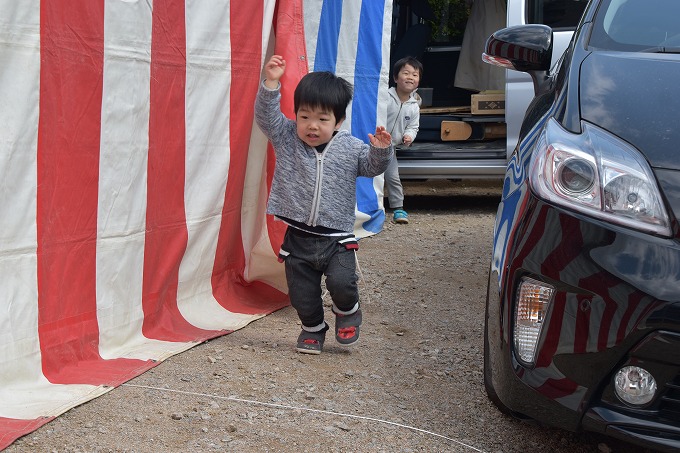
{"x":314,"y":192}
{"x":403,"y":120}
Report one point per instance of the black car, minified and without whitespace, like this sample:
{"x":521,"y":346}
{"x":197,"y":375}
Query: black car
{"x":583,"y":310}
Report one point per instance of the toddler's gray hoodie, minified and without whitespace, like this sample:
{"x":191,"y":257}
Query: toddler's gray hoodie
{"x":311,"y":187}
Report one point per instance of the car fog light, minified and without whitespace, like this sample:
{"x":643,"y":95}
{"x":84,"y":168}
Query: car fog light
{"x":635,"y":385}
{"x":533,"y":299}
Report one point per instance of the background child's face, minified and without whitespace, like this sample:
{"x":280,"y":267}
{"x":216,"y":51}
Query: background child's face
{"x":315,"y":126}
{"x":407,"y":79}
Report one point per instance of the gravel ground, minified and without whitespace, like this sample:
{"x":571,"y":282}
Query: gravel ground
{"x":412,"y":384}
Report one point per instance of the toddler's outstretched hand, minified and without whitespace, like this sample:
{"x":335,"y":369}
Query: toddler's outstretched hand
{"x":273,"y":70}
{"x":381,"y":139}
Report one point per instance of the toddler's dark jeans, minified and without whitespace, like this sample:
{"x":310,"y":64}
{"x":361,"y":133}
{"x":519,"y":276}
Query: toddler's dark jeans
{"x":310,"y":257}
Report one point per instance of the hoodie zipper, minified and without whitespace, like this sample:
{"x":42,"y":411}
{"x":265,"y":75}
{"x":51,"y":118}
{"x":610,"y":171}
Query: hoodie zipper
{"x":396,"y":118}
{"x":316,"y":200}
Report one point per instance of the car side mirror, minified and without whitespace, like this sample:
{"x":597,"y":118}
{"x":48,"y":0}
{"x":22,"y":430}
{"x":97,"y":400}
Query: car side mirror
{"x":525,"y":48}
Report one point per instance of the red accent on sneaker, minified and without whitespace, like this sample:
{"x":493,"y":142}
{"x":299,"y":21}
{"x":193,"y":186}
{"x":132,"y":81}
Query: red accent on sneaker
{"x":347,"y":332}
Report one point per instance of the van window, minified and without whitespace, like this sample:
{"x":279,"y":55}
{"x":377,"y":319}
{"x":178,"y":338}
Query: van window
{"x":558,"y":14}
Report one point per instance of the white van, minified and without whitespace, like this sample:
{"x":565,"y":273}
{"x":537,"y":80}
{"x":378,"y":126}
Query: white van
{"x":470,"y":116}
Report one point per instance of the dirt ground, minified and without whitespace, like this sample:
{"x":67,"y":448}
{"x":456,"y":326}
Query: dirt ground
{"x":412,"y":384}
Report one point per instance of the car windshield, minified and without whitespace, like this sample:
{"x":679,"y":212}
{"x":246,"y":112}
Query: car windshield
{"x":637,"y":26}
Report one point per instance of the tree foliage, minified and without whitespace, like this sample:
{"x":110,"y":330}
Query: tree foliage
{"x":449,"y":22}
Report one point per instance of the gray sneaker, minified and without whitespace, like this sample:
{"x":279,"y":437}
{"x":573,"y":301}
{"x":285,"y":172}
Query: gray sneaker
{"x":347,"y":327}
{"x":311,"y":342}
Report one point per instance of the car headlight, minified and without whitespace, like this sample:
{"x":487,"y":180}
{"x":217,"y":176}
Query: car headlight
{"x":599,"y":175}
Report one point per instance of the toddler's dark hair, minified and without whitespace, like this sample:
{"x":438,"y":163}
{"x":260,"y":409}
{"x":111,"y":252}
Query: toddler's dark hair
{"x":418,"y":66}
{"x":324,"y":90}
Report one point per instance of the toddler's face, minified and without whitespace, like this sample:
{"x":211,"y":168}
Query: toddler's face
{"x":315,"y":126}
{"x":407,"y":79}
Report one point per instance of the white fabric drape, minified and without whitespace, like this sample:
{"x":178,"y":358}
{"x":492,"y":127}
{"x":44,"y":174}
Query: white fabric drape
{"x":472,"y":73}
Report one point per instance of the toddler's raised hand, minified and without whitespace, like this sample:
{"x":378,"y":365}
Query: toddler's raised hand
{"x":381,"y":138}
{"x":273,"y":70}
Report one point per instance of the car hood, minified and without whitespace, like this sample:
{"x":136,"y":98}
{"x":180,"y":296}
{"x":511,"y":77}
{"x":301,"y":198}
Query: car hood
{"x":635,"y":96}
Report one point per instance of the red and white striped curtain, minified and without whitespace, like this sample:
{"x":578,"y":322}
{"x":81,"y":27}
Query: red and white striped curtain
{"x":133,"y":185}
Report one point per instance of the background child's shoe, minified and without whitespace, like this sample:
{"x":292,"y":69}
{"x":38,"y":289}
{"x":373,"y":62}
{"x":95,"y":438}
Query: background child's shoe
{"x":400,"y":216}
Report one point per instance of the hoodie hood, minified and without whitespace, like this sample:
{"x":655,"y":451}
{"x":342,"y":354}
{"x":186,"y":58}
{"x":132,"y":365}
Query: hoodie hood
{"x":413,"y":97}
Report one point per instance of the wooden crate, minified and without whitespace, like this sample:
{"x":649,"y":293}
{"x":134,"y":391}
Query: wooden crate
{"x":487,"y":104}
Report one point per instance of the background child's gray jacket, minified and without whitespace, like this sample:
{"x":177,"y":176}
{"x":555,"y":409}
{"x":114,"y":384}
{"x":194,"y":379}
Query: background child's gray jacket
{"x":402,"y":118}
{"x":311,"y":187}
